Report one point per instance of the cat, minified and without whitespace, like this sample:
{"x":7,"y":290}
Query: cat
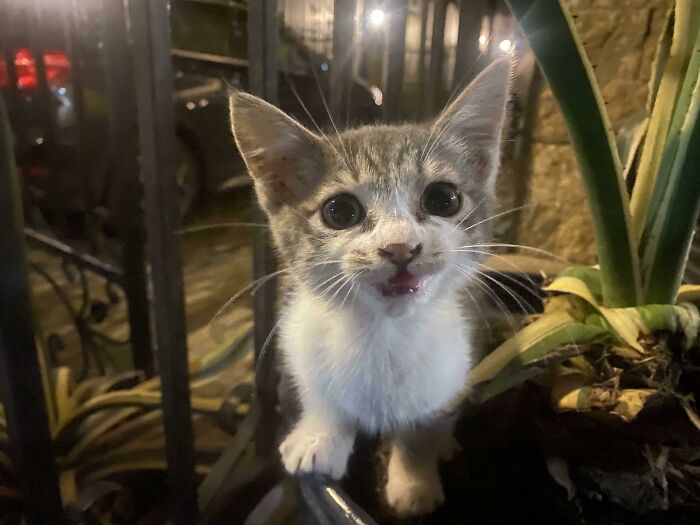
{"x":370,"y":224}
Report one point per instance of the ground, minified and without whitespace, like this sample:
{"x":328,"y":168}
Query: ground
{"x":217,"y":264}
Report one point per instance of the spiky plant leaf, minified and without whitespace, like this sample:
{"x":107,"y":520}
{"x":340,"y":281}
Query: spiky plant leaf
{"x":689,"y":293}
{"x":667,"y":114}
{"x":549,"y":28}
{"x":672,"y":226}
{"x":534,"y":341}
{"x":628,"y":324}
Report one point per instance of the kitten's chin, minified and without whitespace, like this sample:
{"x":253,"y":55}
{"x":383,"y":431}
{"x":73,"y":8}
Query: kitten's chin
{"x":397,"y":298}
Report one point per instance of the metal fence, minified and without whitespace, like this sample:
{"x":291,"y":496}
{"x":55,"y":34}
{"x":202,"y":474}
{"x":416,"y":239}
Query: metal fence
{"x":138,"y":74}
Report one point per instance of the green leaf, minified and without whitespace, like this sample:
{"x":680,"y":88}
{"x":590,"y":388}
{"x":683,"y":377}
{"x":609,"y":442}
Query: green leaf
{"x":668,"y":113}
{"x":671,"y":233}
{"x":130,"y":398}
{"x":590,"y":275}
{"x":629,"y":323}
{"x":629,"y":145}
{"x":689,"y":293}
{"x":533,"y":342}
{"x":549,"y":28}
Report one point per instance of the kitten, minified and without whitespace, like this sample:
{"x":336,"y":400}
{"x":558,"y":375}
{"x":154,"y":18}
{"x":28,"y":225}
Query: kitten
{"x":370,"y":223}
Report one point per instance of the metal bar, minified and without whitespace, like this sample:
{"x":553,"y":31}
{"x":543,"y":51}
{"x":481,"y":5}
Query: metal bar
{"x":66,"y":251}
{"x":8,"y":35}
{"x":154,"y":95}
{"x":262,"y":75}
{"x":425,"y":4}
{"x":36,"y":43}
{"x":324,"y":502}
{"x":21,"y":382}
{"x":71,"y":20}
{"x":343,"y":52}
{"x":393,"y":84}
{"x":126,"y":191}
{"x":471,"y":13}
{"x":209,"y":58}
{"x":434,"y":86}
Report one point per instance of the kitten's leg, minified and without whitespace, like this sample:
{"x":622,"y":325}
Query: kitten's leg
{"x":413,"y":485}
{"x":320,"y":442}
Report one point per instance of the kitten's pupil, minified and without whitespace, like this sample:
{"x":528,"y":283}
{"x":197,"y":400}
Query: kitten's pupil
{"x":441,"y":199}
{"x":342,"y":211}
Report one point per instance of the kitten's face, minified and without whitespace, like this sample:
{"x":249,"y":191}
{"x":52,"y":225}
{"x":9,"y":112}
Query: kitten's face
{"x":382,"y":217}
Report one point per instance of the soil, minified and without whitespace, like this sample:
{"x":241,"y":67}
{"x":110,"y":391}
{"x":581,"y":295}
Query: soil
{"x":500,"y":476}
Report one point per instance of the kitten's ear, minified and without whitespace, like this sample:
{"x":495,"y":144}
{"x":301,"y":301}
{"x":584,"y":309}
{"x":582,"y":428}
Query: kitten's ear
{"x":282,"y":156}
{"x":474,"y":120}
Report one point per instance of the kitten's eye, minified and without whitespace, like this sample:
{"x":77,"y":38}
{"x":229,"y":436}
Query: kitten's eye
{"x":442,"y":199}
{"x":342,"y":211}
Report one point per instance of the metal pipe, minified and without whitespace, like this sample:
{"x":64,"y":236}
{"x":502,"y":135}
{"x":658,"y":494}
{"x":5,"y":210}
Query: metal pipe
{"x":150,"y":25}
{"x":343,"y":52}
{"x":396,"y":55}
{"x":21,"y":382}
{"x":126,"y":190}
{"x":435,"y":86}
{"x":262,"y":81}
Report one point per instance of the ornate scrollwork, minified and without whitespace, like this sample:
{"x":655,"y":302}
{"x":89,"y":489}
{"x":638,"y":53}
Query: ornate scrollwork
{"x":88,"y":313}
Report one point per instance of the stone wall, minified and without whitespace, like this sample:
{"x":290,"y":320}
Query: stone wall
{"x":620,"y":37}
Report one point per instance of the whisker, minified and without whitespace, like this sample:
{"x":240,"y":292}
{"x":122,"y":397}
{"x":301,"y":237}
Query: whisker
{"x":345,"y":283}
{"x":509,"y":245}
{"x":222,"y":225}
{"x":501,"y":214}
{"x":471,"y":212}
{"x":334,"y":276}
{"x":263,"y":350}
{"x":330,"y":117}
{"x":353,"y":283}
{"x":254,"y":285}
{"x":308,"y":113}
{"x":526,"y":309}
{"x":497,"y":300}
{"x":477,"y":308}
{"x":335,"y":283}
{"x":533,"y":288}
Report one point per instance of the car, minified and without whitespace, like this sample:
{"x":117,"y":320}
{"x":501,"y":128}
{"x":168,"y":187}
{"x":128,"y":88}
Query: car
{"x":209,"y":59}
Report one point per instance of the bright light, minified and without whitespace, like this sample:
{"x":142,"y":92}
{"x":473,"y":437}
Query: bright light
{"x":505,"y":45}
{"x":482,"y":40}
{"x":377,"y":95}
{"x":376,"y":17}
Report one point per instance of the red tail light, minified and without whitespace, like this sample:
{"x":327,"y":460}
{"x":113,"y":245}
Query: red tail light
{"x":4,"y":80}
{"x":57,"y":69}
{"x":25,"y":69}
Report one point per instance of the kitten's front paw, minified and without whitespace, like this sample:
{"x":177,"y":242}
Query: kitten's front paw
{"x":313,"y":451}
{"x":414,"y":495}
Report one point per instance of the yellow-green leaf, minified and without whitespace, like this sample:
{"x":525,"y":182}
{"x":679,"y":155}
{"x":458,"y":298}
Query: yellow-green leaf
{"x":689,"y":293}
{"x":535,"y":340}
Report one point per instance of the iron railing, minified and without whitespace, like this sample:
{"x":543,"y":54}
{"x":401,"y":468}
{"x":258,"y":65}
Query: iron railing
{"x":138,"y":76}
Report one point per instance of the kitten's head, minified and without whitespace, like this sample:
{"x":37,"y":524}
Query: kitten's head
{"x":380,"y":217}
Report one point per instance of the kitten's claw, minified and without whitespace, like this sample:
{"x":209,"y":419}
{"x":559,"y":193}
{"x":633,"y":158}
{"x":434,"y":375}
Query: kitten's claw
{"x":322,"y":453}
{"x":414,"y":496}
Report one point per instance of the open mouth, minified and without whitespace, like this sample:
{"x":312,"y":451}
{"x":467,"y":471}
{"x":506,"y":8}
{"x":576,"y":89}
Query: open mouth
{"x":403,"y":283}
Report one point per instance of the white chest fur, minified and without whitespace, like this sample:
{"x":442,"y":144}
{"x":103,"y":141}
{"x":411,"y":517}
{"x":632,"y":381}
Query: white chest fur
{"x":381,"y":372}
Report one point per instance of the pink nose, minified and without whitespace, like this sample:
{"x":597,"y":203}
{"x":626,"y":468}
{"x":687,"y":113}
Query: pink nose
{"x":400,"y":254}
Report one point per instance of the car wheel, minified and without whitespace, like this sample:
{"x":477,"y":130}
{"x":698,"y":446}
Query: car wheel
{"x":186,"y":177}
